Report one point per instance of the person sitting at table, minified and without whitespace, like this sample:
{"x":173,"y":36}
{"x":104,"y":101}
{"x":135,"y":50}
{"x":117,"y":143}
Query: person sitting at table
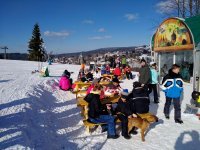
{"x":128,"y":72}
{"x":81,"y":74}
{"x":97,"y":74}
{"x":113,"y":88}
{"x":95,"y":85}
{"x":98,"y":113}
{"x":65,"y":82}
{"x":139,"y":99}
{"x":117,"y":72}
{"x":88,"y":75}
{"x":103,"y":69}
{"x":107,"y":69}
{"x":124,"y":111}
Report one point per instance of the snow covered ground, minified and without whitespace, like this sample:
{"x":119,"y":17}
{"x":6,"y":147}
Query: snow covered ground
{"x":35,"y":114}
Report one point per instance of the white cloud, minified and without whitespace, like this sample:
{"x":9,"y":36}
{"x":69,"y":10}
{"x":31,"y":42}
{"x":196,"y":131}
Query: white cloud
{"x":100,"y":37}
{"x":88,"y":21}
{"x":101,"y":30}
{"x":131,"y":17}
{"x":58,"y":34}
{"x":166,"y":7}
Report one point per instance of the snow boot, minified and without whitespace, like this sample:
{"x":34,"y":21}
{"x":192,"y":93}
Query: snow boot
{"x":178,"y":121}
{"x":127,"y":137}
{"x":112,"y":136}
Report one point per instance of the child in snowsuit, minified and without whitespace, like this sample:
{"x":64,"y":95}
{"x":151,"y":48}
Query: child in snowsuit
{"x":65,"y":82}
{"x":172,"y":85}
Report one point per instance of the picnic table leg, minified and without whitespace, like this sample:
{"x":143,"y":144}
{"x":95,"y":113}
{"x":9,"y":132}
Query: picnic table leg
{"x":86,"y":112}
{"x":87,"y":129}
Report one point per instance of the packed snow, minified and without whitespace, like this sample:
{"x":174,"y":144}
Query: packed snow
{"x":35,"y":114}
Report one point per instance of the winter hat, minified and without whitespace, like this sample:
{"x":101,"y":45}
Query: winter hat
{"x":136,"y":84}
{"x":152,"y":63}
{"x":124,"y":95}
{"x":66,"y":73}
{"x":115,"y":80}
{"x":195,"y":95}
{"x":143,"y":60}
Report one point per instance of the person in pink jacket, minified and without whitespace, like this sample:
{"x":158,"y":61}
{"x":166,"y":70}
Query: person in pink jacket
{"x":65,"y":83}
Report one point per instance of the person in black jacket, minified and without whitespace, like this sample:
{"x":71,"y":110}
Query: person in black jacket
{"x":139,"y":98}
{"x":89,"y":76}
{"x":124,"y":111}
{"x":97,"y":114}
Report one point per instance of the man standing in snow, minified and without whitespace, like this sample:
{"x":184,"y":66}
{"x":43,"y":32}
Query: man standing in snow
{"x":124,"y":63}
{"x":172,"y":85}
{"x":144,"y":73}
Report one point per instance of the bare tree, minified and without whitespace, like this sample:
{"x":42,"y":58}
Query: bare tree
{"x":183,"y":9}
{"x":191,"y":7}
{"x":180,"y":8}
{"x":197,"y":7}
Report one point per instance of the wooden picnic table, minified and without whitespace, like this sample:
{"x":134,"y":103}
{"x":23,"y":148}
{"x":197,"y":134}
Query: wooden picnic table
{"x":108,"y":75}
{"x":113,"y":99}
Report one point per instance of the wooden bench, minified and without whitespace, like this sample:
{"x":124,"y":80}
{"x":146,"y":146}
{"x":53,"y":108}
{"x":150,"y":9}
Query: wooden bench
{"x":84,"y":110}
{"x":90,"y":125}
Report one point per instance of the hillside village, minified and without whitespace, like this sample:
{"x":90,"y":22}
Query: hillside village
{"x":103,"y":55}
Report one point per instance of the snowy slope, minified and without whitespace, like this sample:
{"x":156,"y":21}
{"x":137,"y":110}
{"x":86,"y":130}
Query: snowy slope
{"x":35,"y":114}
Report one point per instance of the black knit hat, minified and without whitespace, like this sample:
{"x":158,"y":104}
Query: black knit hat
{"x":66,"y":73}
{"x":136,"y":84}
{"x":115,"y":80}
{"x":124,"y":95}
{"x":142,"y":60}
{"x":195,"y":95}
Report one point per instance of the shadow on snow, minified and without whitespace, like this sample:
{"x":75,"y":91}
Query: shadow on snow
{"x":39,"y":125}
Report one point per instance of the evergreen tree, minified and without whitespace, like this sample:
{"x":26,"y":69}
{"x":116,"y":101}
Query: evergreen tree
{"x":36,"y":50}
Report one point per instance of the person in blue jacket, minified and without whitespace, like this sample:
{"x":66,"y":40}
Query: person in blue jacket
{"x":154,"y":81}
{"x":172,"y":85}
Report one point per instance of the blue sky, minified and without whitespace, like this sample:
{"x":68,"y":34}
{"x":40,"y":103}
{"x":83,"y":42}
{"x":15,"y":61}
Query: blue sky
{"x":78,"y":25}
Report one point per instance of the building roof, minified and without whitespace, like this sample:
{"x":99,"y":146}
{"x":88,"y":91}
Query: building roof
{"x":194,"y":25}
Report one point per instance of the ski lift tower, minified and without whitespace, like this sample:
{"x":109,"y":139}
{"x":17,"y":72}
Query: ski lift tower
{"x":5,"y":48}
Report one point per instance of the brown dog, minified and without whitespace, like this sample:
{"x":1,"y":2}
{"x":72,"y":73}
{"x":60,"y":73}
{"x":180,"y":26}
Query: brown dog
{"x":140,"y":123}
{"x":149,"y":117}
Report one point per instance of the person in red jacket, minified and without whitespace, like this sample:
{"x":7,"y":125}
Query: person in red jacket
{"x":117,"y":71}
